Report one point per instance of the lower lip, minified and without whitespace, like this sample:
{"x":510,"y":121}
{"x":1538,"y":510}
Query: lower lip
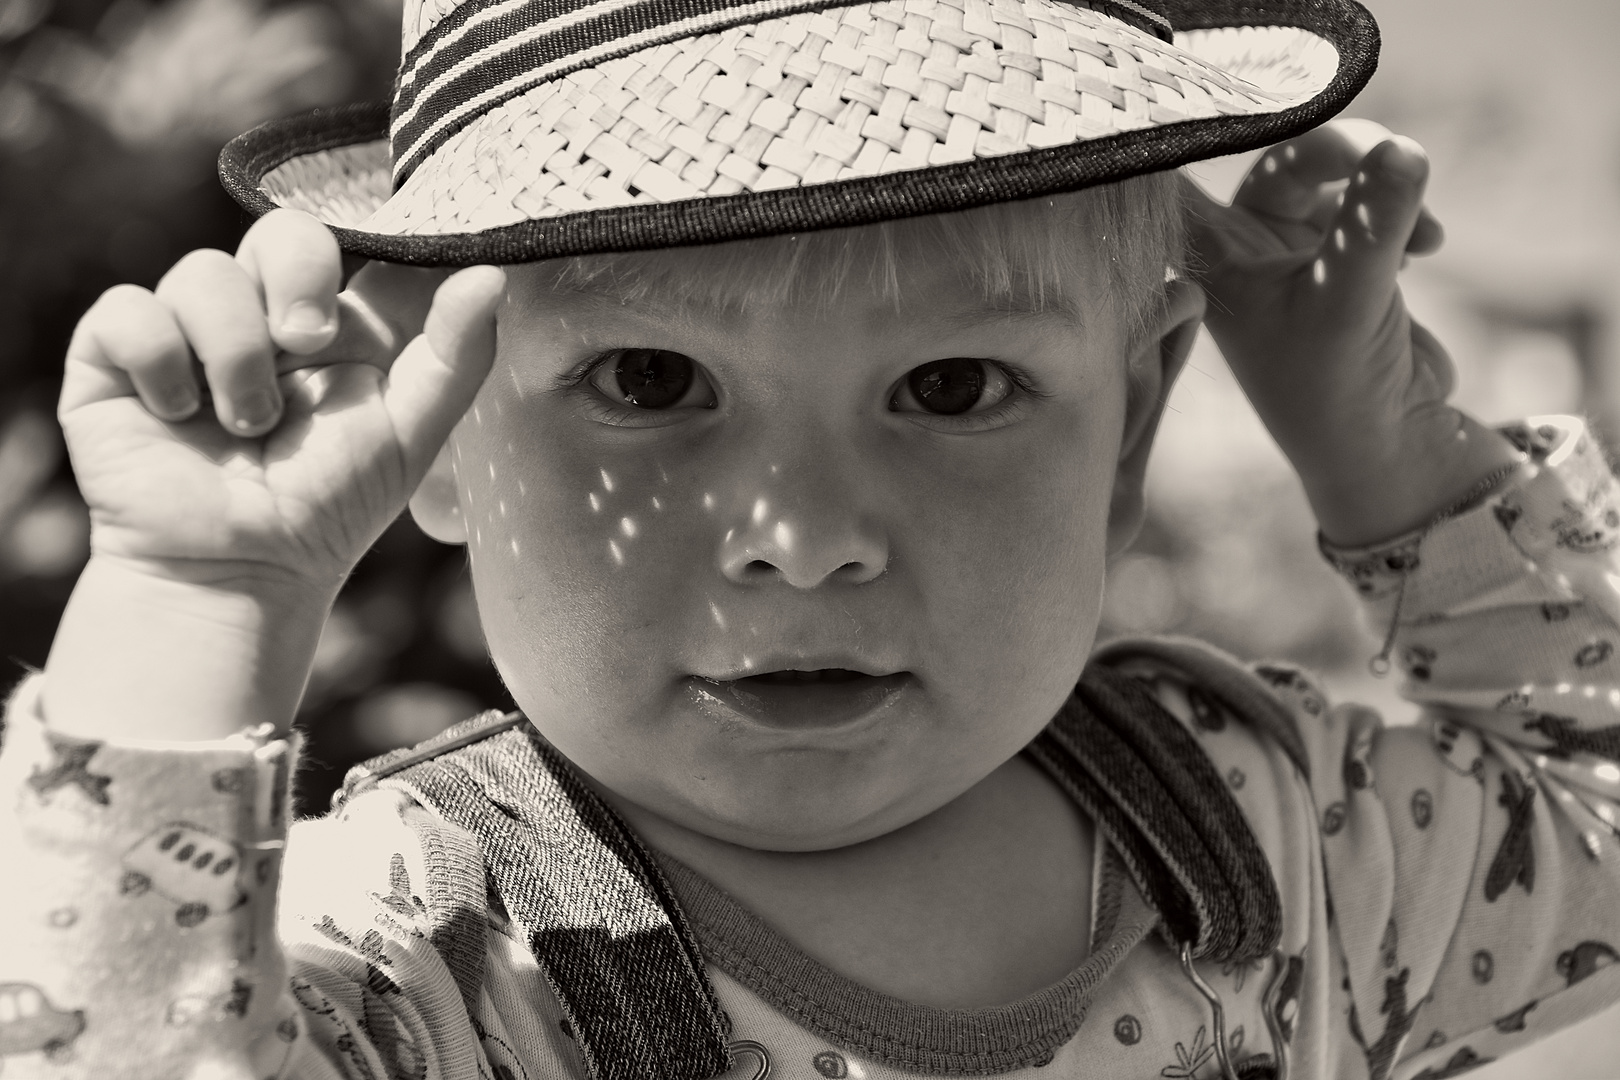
{"x":802,"y":706}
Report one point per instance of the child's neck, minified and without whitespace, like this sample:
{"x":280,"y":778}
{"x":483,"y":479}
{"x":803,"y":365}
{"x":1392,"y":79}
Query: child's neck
{"x":980,"y":903}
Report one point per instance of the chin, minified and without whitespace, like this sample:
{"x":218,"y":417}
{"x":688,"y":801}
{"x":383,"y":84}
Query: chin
{"x":816,"y":810}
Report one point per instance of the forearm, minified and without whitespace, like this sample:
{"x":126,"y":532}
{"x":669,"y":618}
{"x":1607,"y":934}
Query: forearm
{"x":194,"y":654}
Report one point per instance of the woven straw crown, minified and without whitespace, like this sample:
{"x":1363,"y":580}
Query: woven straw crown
{"x":529,"y":128}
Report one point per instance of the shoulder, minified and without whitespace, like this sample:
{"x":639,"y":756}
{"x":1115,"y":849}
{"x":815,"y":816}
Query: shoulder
{"x":1270,"y":705}
{"x":1255,"y":726}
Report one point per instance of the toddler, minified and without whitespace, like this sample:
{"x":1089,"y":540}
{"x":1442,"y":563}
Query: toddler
{"x":789,"y":445}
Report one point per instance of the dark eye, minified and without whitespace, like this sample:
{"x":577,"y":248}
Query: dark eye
{"x":652,"y":379}
{"x":952,"y":386}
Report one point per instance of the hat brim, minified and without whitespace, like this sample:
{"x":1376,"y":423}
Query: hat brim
{"x":334,"y":162}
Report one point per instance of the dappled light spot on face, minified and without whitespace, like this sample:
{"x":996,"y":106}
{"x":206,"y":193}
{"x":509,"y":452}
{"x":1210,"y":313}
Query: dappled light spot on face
{"x":607,"y":481}
{"x":514,"y":548}
{"x":1364,"y":218}
{"x":1319,"y":272}
{"x":1270,"y":164}
{"x":502,"y":505}
{"x":761,"y":508}
{"x":616,"y":552}
{"x":1338,"y":239}
{"x":656,"y":505}
{"x":708,"y":501}
{"x":719,"y":619}
{"x":783,"y":535}
{"x":596,"y":503}
{"x":628,"y":527}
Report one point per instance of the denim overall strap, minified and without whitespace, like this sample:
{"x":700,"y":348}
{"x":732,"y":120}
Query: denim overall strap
{"x":1154,"y":793}
{"x":589,"y":898}
{"x":1244,"y":693}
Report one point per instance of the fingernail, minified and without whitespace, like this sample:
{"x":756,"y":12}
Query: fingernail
{"x":305,"y":318}
{"x":180,"y":400}
{"x":1403,"y":164}
{"x":255,"y":409}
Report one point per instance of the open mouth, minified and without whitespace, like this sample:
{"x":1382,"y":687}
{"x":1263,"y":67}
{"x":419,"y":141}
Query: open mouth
{"x":824,"y":697}
{"x":818,"y":677}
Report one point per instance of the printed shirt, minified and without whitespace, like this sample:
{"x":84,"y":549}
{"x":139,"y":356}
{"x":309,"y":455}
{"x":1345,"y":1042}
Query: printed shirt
{"x":1450,"y":889}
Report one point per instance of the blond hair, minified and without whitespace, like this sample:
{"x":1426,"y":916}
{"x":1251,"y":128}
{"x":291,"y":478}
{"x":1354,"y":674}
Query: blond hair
{"x":1029,"y":253}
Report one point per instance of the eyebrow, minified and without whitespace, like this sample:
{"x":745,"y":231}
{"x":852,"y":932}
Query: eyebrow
{"x":1016,"y":309}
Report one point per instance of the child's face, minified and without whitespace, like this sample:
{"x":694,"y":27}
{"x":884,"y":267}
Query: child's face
{"x":797,"y":506}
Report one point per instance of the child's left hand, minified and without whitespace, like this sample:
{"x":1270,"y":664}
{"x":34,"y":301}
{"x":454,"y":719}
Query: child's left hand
{"x":1300,"y":272}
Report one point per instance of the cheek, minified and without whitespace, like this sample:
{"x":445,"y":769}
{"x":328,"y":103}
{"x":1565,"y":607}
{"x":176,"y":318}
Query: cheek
{"x":1011,"y":564}
{"x":581,"y":560}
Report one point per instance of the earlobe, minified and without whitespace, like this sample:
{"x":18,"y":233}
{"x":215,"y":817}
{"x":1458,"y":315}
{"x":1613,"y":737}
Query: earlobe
{"x":1153,"y":369}
{"x":435,"y":505}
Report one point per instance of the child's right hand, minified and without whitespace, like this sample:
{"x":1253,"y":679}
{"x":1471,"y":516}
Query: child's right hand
{"x":221,"y":527}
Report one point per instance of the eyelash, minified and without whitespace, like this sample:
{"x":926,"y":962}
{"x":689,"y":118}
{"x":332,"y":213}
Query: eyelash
{"x":610,"y":412}
{"x":1010,"y":408}
{"x":600,"y":408}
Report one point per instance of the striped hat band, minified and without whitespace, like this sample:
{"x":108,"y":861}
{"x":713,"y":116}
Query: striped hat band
{"x":477,"y":55}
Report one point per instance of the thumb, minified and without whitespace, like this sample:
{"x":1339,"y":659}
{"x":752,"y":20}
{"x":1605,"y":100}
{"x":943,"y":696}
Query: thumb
{"x":434,"y":380}
{"x":1211,"y":227}
{"x":1367,"y":241}
{"x":1222,"y":238}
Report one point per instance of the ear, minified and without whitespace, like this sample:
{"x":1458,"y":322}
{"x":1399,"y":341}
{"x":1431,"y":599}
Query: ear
{"x":1157,"y":361}
{"x":435,"y":506}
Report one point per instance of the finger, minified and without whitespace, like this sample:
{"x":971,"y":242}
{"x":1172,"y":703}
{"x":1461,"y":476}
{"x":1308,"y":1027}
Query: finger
{"x":377,"y":316}
{"x":1428,"y":235}
{"x":1293,"y":179}
{"x":434,"y":380}
{"x":1367,"y":242}
{"x":294,"y":261}
{"x":218,"y":308}
{"x":129,"y":340}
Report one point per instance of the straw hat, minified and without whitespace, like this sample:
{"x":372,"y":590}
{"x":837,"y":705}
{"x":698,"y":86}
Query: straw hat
{"x":527,"y":129}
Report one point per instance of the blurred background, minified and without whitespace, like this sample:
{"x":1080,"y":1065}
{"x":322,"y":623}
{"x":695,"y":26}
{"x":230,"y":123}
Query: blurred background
{"x":112,"y":113}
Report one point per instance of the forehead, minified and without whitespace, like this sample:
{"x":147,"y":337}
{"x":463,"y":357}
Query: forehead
{"x":1031,"y":261}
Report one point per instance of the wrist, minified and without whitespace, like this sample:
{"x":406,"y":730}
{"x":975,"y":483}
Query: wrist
{"x":189,"y":651}
{"x":1405,"y":482}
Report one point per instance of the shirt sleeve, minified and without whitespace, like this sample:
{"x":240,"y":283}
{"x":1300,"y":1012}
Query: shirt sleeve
{"x":1471,"y":859}
{"x":140,"y":934}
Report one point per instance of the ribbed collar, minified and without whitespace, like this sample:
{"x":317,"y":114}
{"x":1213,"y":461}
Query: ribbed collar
{"x":885,"y":1029}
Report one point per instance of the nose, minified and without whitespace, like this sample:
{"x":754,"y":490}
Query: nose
{"x":803,"y":529}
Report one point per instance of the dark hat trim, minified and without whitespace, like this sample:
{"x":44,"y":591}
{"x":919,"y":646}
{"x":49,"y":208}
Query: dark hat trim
{"x":861,"y":201}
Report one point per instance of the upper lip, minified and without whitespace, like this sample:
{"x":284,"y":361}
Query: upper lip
{"x":732,"y":670}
